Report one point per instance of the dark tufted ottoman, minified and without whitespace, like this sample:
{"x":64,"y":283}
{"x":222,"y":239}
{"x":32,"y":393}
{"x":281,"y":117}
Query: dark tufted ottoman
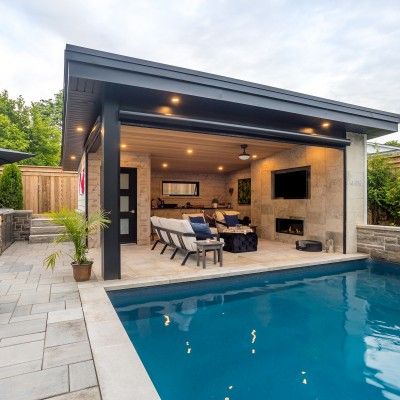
{"x":240,"y":242}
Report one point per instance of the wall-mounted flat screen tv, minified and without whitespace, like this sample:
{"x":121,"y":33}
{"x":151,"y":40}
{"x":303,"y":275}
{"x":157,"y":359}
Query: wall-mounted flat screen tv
{"x":291,"y":183}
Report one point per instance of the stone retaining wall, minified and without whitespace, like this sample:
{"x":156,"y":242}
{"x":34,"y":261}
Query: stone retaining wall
{"x":22,"y":224}
{"x":6,"y":229}
{"x":14,"y":225}
{"x":380,"y":242}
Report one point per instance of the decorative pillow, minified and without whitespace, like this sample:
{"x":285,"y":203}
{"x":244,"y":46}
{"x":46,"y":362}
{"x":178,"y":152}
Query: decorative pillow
{"x":202,"y":231}
{"x":231,"y":220}
{"x":197,"y":220}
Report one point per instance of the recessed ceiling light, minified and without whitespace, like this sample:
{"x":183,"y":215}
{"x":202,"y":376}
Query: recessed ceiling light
{"x":79,"y":129}
{"x":73,"y":157}
{"x":254,"y":156}
{"x":189,"y":151}
{"x":123,"y":146}
{"x":326,"y":124}
{"x":307,"y":130}
{"x":164,"y":110}
{"x":175,"y":100}
{"x":164,"y":165}
{"x":220,"y":168}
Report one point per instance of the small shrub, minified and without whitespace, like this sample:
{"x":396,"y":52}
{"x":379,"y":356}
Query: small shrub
{"x":11,"y":188}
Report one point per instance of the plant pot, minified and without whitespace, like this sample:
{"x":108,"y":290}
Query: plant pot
{"x":82,"y":272}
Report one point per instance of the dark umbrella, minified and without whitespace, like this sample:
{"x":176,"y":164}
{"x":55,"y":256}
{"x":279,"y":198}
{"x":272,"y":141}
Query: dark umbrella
{"x":10,"y":156}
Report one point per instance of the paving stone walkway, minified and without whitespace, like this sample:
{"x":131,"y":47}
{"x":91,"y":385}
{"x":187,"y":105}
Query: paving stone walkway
{"x":44,"y":347}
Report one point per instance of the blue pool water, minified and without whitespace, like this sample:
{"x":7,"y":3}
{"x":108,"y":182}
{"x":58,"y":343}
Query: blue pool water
{"x":327,"y":332}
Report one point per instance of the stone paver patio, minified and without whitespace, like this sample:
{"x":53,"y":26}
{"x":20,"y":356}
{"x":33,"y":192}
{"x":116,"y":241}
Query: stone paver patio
{"x":44,"y":346}
{"x":62,"y":340}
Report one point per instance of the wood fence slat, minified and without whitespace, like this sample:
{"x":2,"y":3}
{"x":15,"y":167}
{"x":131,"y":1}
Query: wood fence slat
{"x":48,"y":188}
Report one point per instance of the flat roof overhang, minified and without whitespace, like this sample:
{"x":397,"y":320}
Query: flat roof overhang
{"x":143,"y":84}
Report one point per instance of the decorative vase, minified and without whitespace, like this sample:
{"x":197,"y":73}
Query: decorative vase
{"x":82,"y":272}
{"x":215,"y":205}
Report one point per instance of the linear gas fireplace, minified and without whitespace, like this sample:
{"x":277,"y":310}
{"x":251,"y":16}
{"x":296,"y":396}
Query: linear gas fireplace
{"x":290,"y":226}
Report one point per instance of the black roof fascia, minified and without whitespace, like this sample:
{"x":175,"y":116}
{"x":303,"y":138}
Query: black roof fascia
{"x":213,"y":127}
{"x":108,"y":67}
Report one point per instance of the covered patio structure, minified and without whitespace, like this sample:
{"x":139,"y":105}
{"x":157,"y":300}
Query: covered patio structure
{"x":129,"y":127}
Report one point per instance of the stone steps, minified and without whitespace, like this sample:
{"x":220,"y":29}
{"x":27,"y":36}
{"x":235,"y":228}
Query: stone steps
{"x":46,"y":229}
{"x":43,"y":230}
{"x":46,"y":238}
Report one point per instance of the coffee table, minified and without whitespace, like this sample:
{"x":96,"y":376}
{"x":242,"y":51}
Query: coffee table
{"x":203,"y":246}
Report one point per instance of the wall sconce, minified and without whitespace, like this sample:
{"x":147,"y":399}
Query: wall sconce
{"x":231,"y":191}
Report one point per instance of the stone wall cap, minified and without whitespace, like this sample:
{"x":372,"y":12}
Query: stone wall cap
{"x":22,"y":211}
{"x":380,"y":228}
{"x":4,"y":211}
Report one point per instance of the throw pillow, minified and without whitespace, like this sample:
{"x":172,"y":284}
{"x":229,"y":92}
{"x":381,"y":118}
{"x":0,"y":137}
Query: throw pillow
{"x":197,"y":220}
{"x":202,"y":231}
{"x":231,"y":220}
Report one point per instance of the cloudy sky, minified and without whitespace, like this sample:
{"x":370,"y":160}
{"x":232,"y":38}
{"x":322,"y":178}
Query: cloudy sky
{"x":343,"y":50}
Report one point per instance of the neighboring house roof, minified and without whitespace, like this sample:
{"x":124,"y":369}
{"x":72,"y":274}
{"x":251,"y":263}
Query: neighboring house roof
{"x":87,"y":70}
{"x":373,"y":148}
{"x":10,"y":156}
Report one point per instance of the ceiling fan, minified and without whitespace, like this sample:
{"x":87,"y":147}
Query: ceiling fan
{"x":244,"y":156}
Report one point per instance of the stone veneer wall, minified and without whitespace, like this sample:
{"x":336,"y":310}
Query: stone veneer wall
{"x":380,"y":242}
{"x":6,"y":229}
{"x":322,"y":213}
{"x":128,"y":160}
{"x":356,"y":187}
{"x":22,"y":224}
{"x":14,"y":225}
{"x":143,"y":164}
{"x":93,"y":191}
{"x":232,"y":182}
{"x":211,"y":185}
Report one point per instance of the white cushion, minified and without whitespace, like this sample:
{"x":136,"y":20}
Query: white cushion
{"x":156,"y":221}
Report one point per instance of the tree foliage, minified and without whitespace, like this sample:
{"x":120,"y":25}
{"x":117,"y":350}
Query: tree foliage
{"x":35,"y":128}
{"x":394,"y":143}
{"x":11,"y":188}
{"x":383,"y":188}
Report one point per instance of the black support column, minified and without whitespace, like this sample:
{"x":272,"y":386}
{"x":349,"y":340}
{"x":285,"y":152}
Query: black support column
{"x":110,"y":132}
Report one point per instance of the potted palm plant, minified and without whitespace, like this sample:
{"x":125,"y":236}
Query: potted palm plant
{"x":77,"y":230}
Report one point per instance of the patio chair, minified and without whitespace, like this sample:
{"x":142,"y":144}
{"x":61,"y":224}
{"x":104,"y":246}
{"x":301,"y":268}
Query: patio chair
{"x":161,"y":233}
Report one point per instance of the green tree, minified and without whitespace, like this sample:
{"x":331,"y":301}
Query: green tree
{"x":393,"y":198}
{"x":394,"y":143}
{"x":11,"y":136}
{"x":11,"y":188}
{"x":35,"y":128}
{"x":52,"y":109}
{"x":44,"y":140}
{"x":381,"y":178}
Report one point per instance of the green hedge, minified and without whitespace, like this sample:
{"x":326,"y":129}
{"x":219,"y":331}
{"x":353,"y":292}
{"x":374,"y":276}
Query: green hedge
{"x":11,"y":188}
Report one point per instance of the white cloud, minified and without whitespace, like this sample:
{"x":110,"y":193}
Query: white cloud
{"x":344,"y":50}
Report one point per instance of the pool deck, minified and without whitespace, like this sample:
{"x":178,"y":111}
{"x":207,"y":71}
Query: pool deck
{"x":64,"y":341}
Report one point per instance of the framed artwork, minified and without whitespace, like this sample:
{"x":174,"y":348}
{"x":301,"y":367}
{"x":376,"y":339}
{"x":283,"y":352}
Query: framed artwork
{"x":244,"y":191}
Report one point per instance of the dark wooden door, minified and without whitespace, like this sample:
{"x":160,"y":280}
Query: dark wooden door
{"x":128,"y":205}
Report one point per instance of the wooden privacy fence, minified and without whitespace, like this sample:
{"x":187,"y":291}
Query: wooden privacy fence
{"x":48,"y":188}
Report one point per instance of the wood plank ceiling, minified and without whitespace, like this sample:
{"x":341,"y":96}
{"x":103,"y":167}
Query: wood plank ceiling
{"x":195,"y":152}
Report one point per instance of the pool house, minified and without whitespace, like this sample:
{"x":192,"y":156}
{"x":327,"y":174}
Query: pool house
{"x":158,"y":143}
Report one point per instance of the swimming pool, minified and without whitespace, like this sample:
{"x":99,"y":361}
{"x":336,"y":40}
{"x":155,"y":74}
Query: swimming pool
{"x":326,"y":332}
